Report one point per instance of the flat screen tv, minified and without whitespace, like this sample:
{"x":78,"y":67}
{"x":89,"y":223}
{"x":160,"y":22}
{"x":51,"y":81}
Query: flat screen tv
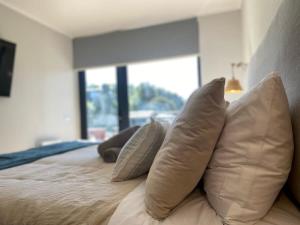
{"x":7,"y":58}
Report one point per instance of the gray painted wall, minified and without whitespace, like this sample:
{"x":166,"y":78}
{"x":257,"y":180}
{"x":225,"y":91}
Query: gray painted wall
{"x":155,"y":42}
{"x":221,"y":45}
{"x":44,"y":97}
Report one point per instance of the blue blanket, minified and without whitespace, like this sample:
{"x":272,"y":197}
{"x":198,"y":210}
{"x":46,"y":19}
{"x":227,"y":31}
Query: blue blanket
{"x":33,"y":154}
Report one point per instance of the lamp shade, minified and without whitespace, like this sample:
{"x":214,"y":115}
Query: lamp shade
{"x":233,"y":86}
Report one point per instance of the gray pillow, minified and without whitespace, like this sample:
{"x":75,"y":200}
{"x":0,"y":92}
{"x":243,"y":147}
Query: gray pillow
{"x":136,"y":157}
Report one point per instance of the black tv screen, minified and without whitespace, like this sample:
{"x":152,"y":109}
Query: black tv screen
{"x":7,"y":58}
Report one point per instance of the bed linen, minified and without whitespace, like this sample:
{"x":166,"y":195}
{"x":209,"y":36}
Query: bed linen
{"x":195,"y":210}
{"x":71,"y":188}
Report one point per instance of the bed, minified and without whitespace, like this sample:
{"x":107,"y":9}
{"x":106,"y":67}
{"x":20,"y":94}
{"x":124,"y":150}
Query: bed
{"x":75,"y":188}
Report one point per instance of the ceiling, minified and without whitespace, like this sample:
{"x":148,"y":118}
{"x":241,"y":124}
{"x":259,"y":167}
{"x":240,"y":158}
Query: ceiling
{"x":76,"y":18}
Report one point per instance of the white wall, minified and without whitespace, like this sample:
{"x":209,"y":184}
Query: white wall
{"x":257,"y":17}
{"x":220,"y":45}
{"x":44,"y":101}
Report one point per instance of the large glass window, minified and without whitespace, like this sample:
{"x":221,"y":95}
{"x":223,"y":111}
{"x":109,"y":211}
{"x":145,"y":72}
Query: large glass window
{"x":101,"y":103}
{"x":155,"y":89}
{"x":159,"y":89}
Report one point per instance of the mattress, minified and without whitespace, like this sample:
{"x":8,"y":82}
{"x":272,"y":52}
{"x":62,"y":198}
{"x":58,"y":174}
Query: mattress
{"x":71,"y":188}
{"x":195,"y":210}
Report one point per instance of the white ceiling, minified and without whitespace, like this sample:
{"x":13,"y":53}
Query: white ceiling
{"x":77,"y":18}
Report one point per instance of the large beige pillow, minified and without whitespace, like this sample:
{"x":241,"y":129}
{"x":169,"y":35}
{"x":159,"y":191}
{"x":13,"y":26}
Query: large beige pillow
{"x":187,"y":148}
{"x":137,"y":155}
{"x":253,"y":157}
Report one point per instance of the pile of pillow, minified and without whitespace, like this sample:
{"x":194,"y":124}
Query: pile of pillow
{"x":133,"y":149}
{"x":244,"y":152}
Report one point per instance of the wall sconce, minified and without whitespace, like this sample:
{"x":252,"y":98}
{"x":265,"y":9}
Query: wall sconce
{"x":233,"y":85}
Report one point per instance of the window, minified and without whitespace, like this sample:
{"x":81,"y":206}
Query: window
{"x":159,"y":89}
{"x":115,"y":98}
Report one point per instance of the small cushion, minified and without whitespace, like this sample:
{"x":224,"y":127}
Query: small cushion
{"x":187,"y":148}
{"x":110,"y":149}
{"x":253,"y":157}
{"x":136,"y":157}
{"x":110,"y":155}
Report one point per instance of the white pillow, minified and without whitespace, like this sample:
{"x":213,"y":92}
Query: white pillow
{"x":137,"y":155}
{"x":253,"y":157}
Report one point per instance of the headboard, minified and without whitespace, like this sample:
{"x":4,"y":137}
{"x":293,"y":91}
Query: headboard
{"x":280,"y":51}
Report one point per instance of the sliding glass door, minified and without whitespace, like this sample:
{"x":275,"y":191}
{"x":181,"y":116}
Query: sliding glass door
{"x":114,"y":98}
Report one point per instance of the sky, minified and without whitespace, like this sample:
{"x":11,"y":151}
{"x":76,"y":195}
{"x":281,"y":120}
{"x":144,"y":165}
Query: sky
{"x":178,"y":75}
